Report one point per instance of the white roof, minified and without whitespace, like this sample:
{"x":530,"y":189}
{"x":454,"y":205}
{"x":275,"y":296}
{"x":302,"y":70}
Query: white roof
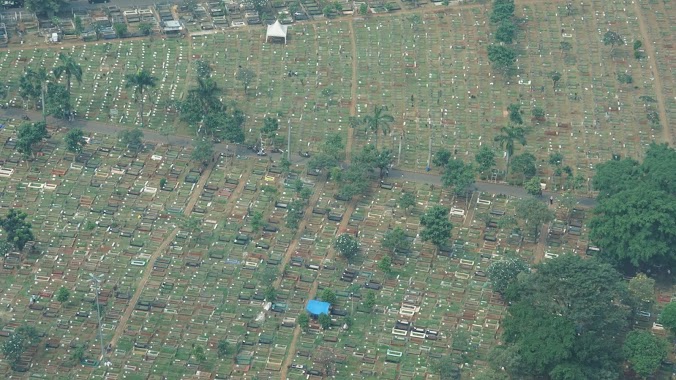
{"x":276,"y":30}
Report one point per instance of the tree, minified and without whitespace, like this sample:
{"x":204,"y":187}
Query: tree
{"x":145,"y":28}
{"x":28,"y":136}
{"x":556,"y":77}
{"x":256,"y":220}
{"x":79,"y":27}
{"x":515,"y":113}
{"x":121,"y":29}
{"x":645,"y":352}
{"x":383,"y":161}
{"x":532,"y":186}
{"x":223,"y":347}
{"x":642,"y":290}
{"x":441,"y":157}
{"x":245,"y":76}
{"x":506,"y":32}
{"x":485,"y":158}
{"x":370,"y":300}
{"x":270,"y":127}
{"x":502,"y":58}
{"x":567,"y":201}
{"x":233,"y":127}
{"x":566,"y":318}
{"x":140,"y":81}
{"x":363,"y":9}
{"x":57,"y":101}
{"x":324,"y":321}
{"x":538,"y":112}
{"x":62,"y":294}
{"x":347,"y":245}
{"x":329,"y":296}
{"x":437,"y":226}
{"x":502,"y":10}
{"x":17,"y":230}
{"x":69,"y":66}
{"x":203,"y":68}
{"x":524,"y":164}
{"x":203,"y":151}
{"x":406,"y":200}
{"x":378,"y":121}
{"x":446,"y":369}
{"x":508,"y":139}
{"x":385,"y":264}
{"x":303,"y":321}
{"x":534,"y":212}
{"x":270,"y":293}
{"x":612,"y":38}
{"x":504,"y":272}
{"x":295,"y":213}
{"x":18,"y":342}
{"x":458,"y":175}
{"x":30,"y":84}
{"x":395,"y":240}
{"x":668,"y":317}
{"x":326,"y":360}
{"x":44,"y":7}
{"x":75,"y":141}
{"x":199,"y":353}
{"x":131,"y":138}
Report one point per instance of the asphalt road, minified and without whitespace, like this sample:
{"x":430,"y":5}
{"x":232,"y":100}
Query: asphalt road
{"x":97,"y":127}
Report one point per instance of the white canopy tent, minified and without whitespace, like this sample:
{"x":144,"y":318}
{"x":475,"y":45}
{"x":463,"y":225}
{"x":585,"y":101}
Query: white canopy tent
{"x":276,"y":30}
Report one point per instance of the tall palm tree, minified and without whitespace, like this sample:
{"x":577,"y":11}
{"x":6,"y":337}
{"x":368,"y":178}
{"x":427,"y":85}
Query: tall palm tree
{"x":508,"y":139}
{"x":70,"y":67}
{"x":379,"y":120}
{"x":205,"y":92}
{"x":140,"y":80}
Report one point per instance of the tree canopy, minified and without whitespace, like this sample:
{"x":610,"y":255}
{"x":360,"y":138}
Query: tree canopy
{"x":645,"y":352}
{"x":140,"y":81}
{"x":74,"y":140}
{"x":668,"y":317}
{"x":395,"y":240}
{"x":565,"y":321}
{"x":17,"y":229}
{"x":534,"y":212}
{"x":18,"y":342}
{"x":437,"y":226}
{"x":502,"y":58}
{"x":633,"y":222}
{"x":459,"y":175}
{"x":504,"y":272}
{"x":485,"y":158}
{"x":29,"y":135}
{"x":347,"y":245}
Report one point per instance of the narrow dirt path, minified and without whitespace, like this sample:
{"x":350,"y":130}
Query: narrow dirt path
{"x":285,"y":261}
{"x":353,"y":91}
{"x":143,"y":281}
{"x":650,"y":50}
{"x":313,"y":290}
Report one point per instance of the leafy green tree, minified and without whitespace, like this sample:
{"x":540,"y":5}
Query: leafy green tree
{"x":324,"y":321}
{"x":270,"y":127}
{"x":199,"y":353}
{"x":370,"y":300}
{"x":458,"y":175}
{"x":18,"y":342}
{"x":534,"y":212}
{"x":203,"y":151}
{"x":246,"y":77}
{"x":57,"y":101}
{"x":645,"y":352}
{"x":347,"y":245}
{"x":30,"y":84}
{"x":385,"y":264}
{"x":406,"y":200}
{"x":668,"y":317}
{"x":504,"y":272}
{"x":68,"y":66}
{"x":642,"y":289}
{"x":145,"y":28}
{"x":256,"y":220}
{"x":203,"y":102}
{"x":329,"y":296}
{"x":612,"y":38}
{"x":233,"y":127}
{"x":28,"y":136}
{"x":79,"y":27}
{"x":636,"y":225}
{"x":223,"y":347}
{"x":566,"y":318}
{"x":506,"y":32}
{"x":121,"y":29}
{"x":556,"y":77}
{"x":509,"y":137}
{"x":485,"y":158}
{"x":524,"y":165}
{"x":379,"y":121}
{"x":75,"y":141}
{"x":614,"y":176}
{"x":395,"y":240}
{"x":303,"y":321}
{"x":140,"y":81}
{"x":437,"y":226}
{"x":62,"y":294}
{"x":538,"y":112}
{"x":502,"y":58}
{"x":441,"y":157}
{"x":331,"y":152}
{"x":295,"y":212}
{"x":567,"y":201}
{"x":532,"y":186}
{"x":515,"y":113}
{"x":502,"y":10}
{"x":131,"y":138}
{"x":44,"y":7}
{"x":446,"y":368}
{"x":270,"y":293}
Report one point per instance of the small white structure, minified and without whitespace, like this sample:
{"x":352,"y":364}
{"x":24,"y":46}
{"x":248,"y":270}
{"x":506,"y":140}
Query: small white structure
{"x":276,"y":30}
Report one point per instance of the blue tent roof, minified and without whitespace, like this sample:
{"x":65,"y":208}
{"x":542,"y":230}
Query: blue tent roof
{"x":315,"y":307}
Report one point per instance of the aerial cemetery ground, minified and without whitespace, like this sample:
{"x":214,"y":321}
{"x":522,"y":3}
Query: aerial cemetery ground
{"x":206,"y":268}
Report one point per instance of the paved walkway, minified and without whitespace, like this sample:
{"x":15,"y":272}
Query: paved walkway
{"x":97,"y":127}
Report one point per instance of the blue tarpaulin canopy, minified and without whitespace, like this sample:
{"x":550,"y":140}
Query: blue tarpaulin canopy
{"x":315,"y":307}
